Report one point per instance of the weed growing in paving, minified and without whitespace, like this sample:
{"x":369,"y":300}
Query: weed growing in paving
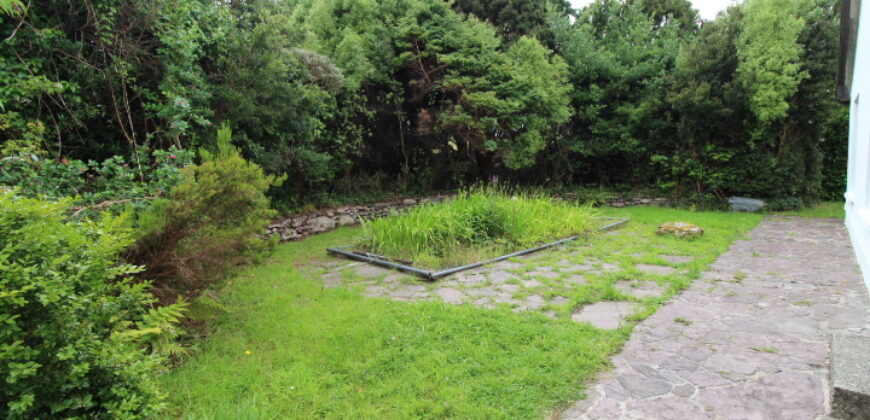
{"x":682,"y":320}
{"x":473,"y":226}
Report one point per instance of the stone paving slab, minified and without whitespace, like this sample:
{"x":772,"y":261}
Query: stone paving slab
{"x":749,"y":340}
{"x":558,"y":282}
{"x":606,"y":315}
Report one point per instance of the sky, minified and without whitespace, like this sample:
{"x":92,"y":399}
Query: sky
{"x":707,"y":8}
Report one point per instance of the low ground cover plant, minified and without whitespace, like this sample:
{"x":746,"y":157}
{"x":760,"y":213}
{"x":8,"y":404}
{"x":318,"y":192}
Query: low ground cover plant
{"x":476,"y":224}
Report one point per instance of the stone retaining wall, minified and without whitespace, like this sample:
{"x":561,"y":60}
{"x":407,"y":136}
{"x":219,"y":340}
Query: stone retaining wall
{"x":297,"y":226}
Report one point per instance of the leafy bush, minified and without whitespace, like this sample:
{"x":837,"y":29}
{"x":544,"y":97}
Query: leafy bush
{"x":74,"y":329}
{"x":456,"y":230}
{"x":209,"y":223}
{"x":835,"y":148}
{"x":112,"y":184}
{"x":785,"y":204}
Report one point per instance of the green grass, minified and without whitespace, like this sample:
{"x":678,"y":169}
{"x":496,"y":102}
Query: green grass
{"x":331,"y":353}
{"x":475,"y":225}
{"x":321,"y":353}
{"x":824,"y":209}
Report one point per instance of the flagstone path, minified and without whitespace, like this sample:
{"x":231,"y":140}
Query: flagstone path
{"x":749,"y":340}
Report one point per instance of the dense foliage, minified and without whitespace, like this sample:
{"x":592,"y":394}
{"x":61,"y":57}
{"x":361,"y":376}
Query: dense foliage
{"x":111,"y":185}
{"x":209,"y":223}
{"x":75,"y":331}
{"x":354,"y":95}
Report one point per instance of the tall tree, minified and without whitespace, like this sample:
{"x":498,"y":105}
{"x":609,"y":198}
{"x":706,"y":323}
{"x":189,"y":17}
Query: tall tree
{"x":671,"y":12}
{"x":770,"y":56}
{"x":615,"y":56}
{"x":106,"y":76}
{"x":513,"y":18}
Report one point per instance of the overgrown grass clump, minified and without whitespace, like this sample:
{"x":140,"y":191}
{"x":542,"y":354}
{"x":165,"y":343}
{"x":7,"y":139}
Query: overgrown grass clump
{"x":475,"y":224}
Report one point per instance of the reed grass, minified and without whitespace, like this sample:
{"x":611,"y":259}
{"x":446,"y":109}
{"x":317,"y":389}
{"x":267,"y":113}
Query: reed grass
{"x":474,"y":225}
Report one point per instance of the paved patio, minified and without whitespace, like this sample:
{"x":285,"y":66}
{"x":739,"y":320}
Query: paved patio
{"x":749,"y":340}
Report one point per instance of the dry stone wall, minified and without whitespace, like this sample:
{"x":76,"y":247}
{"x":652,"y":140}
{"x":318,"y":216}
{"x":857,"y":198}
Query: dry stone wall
{"x":297,"y":226}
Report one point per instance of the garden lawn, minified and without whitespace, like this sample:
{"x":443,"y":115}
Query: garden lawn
{"x":824,"y":209}
{"x":289,"y":348}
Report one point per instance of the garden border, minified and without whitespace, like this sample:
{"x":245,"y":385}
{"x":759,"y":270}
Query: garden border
{"x":435,"y":275}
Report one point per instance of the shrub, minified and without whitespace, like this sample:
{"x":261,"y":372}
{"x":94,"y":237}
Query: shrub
{"x":113,"y":184}
{"x":455,"y":231}
{"x":74,"y":329}
{"x":785,"y":204}
{"x":209,"y":224}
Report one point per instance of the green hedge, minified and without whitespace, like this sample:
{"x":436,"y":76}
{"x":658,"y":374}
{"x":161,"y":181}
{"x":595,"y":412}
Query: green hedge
{"x":76,"y":334}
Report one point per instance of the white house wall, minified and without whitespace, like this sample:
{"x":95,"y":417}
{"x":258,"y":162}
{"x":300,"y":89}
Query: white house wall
{"x":857,"y":194}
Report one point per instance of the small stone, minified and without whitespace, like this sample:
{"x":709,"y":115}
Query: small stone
{"x":676,"y":259}
{"x":743,"y":204}
{"x":472,"y":279}
{"x":535,"y":301}
{"x":531,"y":283}
{"x":500,"y":276}
{"x":724,"y":363}
{"x":482,"y":302}
{"x":680,"y":230}
{"x":509,"y":288}
{"x":655,"y":269}
{"x":345,"y":220}
{"x":331,"y":280}
{"x":684,"y":390}
{"x":450,"y":295}
{"x":703,"y":378}
{"x":290,"y":235}
{"x":409,"y":202}
{"x":507,"y":298}
{"x":640,"y":289}
{"x":482,"y":292}
{"x":643,"y":387}
{"x":559,"y":300}
{"x":605,"y":315}
{"x":321,"y":224}
{"x":368,"y":270}
{"x":409,"y":292}
{"x":375,"y":291}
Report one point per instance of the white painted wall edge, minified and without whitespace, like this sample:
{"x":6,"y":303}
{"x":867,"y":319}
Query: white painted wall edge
{"x":860,"y":236}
